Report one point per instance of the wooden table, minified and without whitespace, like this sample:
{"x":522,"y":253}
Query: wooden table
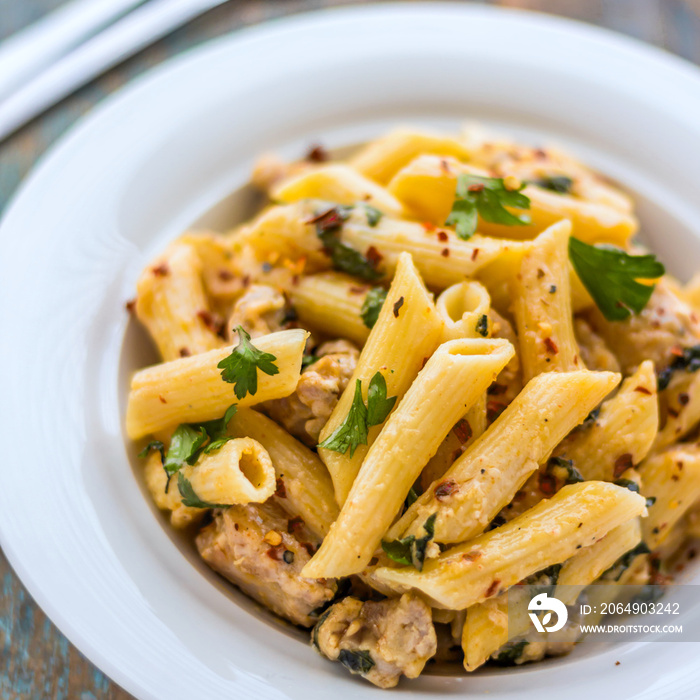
{"x":37,"y":661}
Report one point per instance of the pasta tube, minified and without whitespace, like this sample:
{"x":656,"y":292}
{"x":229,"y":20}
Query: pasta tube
{"x":332,"y":303}
{"x":171,"y":303}
{"x":452,"y":380}
{"x":553,"y":531}
{"x":382,"y":158}
{"x":191,"y":389}
{"x":427,"y":186}
{"x":336,"y":183}
{"x":673,"y":479}
{"x":542,"y":306}
{"x":239,"y":472}
{"x":407,"y":331}
{"x":487,"y":476}
{"x":304,"y":488}
{"x":623,"y":432}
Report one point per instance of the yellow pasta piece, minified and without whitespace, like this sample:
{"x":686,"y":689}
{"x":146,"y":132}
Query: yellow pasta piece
{"x":336,"y":183}
{"x":551,"y":532}
{"x":622,"y":433}
{"x":239,"y":472}
{"x":331,"y":302}
{"x":305,"y":489}
{"x":171,"y":303}
{"x":673,"y":479}
{"x":454,"y":377}
{"x":191,"y":389}
{"x":495,"y":621}
{"x":542,"y":306}
{"x":383,"y":157}
{"x":487,"y":476}
{"x":168,"y":499}
{"x":427,"y":186}
{"x":406,"y":333}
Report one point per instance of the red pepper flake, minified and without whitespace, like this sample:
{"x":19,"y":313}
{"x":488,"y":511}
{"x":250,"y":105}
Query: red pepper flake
{"x":475,"y":254}
{"x":185,"y":352}
{"x":551,"y":346}
{"x":679,"y":464}
{"x":442,"y":236}
{"x":617,"y":663}
{"x":162,"y":399}
{"x":246,"y":281}
{"x":494,"y":409}
{"x":548,"y":484}
{"x":280,"y":490}
{"x":672,"y":412}
{"x":493,"y":588}
{"x":236,"y":527}
{"x":161,"y":270}
{"x":373,"y":256}
{"x":429,"y":227}
{"x":225,"y":275}
{"x":675,"y":477}
{"x":642,"y":390}
{"x":677,"y":350}
{"x":457,"y":453}
{"x":462,"y":430}
{"x":476,"y":187}
{"x":212,"y":321}
{"x":131,"y":306}
{"x":276,"y":553}
{"x":683,"y":399}
{"x":445,"y":489}
{"x":294,"y":524}
{"x":326,"y":220}
{"x":397,"y":307}
{"x":445,"y":252}
{"x":622,"y":464}
{"x":311,"y":549}
{"x":317,"y":154}
{"x":472,"y":556}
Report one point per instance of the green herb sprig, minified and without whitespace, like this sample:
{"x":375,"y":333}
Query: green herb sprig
{"x":372,"y":305}
{"x":241,"y":367}
{"x":411,"y":550}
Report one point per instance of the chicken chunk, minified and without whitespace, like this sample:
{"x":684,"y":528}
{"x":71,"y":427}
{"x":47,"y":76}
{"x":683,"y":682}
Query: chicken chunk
{"x":260,"y":310}
{"x":667,"y":322}
{"x":306,"y":411}
{"x":262,"y":551}
{"x":379,"y":640}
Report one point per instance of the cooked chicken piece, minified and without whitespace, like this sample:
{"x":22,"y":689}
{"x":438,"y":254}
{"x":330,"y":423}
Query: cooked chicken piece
{"x":306,"y":411}
{"x":260,"y":310}
{"x":594,"y":352}
{"x":262,"y":551}
{"x":379,"y":640}
{"x":667,"y":322}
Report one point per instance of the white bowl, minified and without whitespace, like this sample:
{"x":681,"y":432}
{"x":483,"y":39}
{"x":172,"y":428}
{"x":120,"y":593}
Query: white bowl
{"x":74,"y":520}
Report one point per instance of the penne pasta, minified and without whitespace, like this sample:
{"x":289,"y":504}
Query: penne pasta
{"x":542,"y":306}
{"x":407,"y":332}
{"x":332,"y":303}
{"x":452,"y":380}
{"x":171,"y":303}
{"x":486,"y":477}
{"x":553,"y":531}
{"x":192,"y":389}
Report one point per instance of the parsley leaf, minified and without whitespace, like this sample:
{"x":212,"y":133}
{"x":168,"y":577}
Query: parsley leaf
{"x":353,"y":430}
{"x":610,"y":275}
{"x":153,"y":445}
{"x":372,"y":305}
{"x":308,"y":360}
{"x":378,"y":405}
{"x":184,"y":447}
{"x":189,"y":497}
{"x":411,"y":498}
{"x":241,"y":366}
{"x":344,"y":257}
{"x":216,"y":429}
{"x":510,"y":652}
{"x":356,"y":661}
{"x":411,"y":550}
{"x":373,"y":215}
{"x":561,"y":184}
{"x":486,"y":197}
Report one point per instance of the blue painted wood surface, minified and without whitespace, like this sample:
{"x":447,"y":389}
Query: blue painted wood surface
{"x":36,"y":660}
